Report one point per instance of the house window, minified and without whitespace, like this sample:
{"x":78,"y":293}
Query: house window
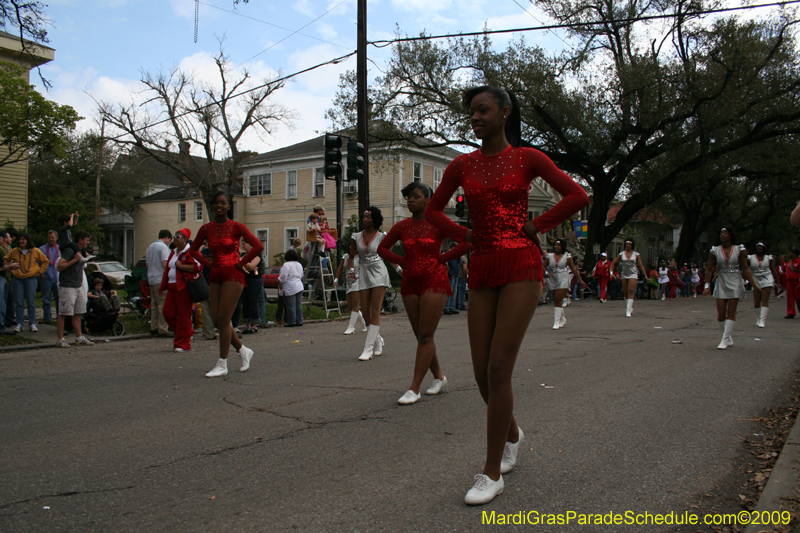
{"x":417,"y":171}
{"x":291,"y":184}
{"x":260,"y":185}
{"x":291,"y":235}
{"x":263,"y":236}
{"x":181,"y":212}
{"x":437,"y":178}
{"x":319,"y":182}
{"x":198,"y":211}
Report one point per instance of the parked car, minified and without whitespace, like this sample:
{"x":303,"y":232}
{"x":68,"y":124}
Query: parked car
{"x":270,"y":279}
{"x":113,"y":270}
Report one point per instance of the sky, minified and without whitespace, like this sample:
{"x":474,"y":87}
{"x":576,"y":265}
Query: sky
{"x":103,"y":46}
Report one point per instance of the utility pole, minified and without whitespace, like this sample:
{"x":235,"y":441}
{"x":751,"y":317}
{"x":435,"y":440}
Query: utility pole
{"x":99,"y":173}
{"x":362,"y":126}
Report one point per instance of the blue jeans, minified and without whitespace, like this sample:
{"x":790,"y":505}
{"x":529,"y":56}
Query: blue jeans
{"x":24,"y":291}
{"x":451,"y":300}
{"x":49,"y":292}
{"x":294,"y":309}
{"x":461,"y":294}
{"x":262,"y":302}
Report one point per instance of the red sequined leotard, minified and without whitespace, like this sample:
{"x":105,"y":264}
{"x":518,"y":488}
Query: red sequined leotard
{"x":223,"y":240}
{"x":496,"y":188}
{"x":424,"y":269}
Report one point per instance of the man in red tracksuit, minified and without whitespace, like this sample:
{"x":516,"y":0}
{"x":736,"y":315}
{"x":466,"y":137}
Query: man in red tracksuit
{"x":602,"y":272}
{"x":792,"y":269}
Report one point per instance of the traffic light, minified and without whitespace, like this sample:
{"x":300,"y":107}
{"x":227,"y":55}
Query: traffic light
{"x":333,"y":157}
{"x":460,"y":205}
{"x":355,"y":160}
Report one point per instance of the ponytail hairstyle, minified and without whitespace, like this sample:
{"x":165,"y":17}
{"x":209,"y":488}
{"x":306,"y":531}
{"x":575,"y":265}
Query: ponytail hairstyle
{"x":424,"y":188}
{"x":504,"y":98}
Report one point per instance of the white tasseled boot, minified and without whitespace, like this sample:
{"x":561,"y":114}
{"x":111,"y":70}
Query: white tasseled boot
{"x":559,"y":313}
{"x":363,"y":322}
{"x":629,"y":307}
{"x":764,"y":313}
{"x":372,"y":334}
{"x":351,"y":327}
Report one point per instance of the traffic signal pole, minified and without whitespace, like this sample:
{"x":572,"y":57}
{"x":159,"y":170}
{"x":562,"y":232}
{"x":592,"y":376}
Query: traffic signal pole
{"x":362,"y":127}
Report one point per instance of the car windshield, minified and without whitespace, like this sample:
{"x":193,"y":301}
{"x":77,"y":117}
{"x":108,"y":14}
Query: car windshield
{"x":112,"y":267}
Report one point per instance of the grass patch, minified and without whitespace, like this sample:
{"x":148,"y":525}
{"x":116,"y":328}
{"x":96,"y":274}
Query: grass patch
{"x":16,"y":340}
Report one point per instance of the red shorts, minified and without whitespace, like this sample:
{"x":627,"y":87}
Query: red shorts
{"x":220,"y":275}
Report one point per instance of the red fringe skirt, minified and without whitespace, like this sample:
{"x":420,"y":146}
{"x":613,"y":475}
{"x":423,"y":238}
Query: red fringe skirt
{"x":221,"y":274}
{"x":500,"y":267}
{"x":420,"y":283}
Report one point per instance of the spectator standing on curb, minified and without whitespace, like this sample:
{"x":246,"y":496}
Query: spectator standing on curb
{"x":792,"y":269}
{"x":49,"y":281}
{"x":461,"y":285}
{"x":602,"y":272}
{"x":452,"y":275}
{"x":181,"y":267}
{"x":32,"y":265}
{"x":156,"y":257}
{"x":205,"y":306}
{"x":8,"y":303}
{"x":4,"y":289}
{"x":71,"y":296}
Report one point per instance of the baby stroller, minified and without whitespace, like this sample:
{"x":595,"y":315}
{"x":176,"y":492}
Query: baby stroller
{"x":102,"y":316}
{"x":388,"y":305}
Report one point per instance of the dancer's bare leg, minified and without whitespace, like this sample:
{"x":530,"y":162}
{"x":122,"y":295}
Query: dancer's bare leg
{"x":424,"y":312}
{"x":223,"y":300}
{"x":498,"y":320}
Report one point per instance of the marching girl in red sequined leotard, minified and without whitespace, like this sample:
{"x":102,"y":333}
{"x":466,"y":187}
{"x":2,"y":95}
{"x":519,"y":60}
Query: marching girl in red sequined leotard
{"x":227,"y":276}
{"x":505,"y":276}
{"x":425,"y":285}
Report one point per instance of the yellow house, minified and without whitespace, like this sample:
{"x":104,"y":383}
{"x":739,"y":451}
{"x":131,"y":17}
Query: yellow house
{"x":14,"y":177}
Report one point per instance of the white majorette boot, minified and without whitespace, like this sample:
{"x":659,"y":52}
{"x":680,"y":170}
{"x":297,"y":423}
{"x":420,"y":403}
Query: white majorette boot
{"x":351,"y":327}
{"x":559,"y":313}
{"x":369,"y":345}
{"x":246,"y":354}
{"x":363,"y":322}
{"x":763,"y":319}
{"x":629,"y":307}
{"x":378,"y":349}
{"x":221,"y":369}
{"x":727,"y":330}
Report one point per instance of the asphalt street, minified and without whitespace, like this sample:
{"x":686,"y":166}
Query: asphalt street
{"x":638,"y":414}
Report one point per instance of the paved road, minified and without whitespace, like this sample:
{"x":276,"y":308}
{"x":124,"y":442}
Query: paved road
{"x":131,"y":437}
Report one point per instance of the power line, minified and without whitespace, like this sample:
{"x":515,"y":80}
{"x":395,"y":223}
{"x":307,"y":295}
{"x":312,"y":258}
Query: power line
{"x":384,"y":43}
{"x":540,"y":22}
{"x":297,"y":32}
{"x":293,"y":33}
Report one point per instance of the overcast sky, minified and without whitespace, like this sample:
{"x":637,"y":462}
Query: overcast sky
{"x":102,"y":46}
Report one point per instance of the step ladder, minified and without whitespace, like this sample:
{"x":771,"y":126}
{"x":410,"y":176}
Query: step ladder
{"x":321,"y":279}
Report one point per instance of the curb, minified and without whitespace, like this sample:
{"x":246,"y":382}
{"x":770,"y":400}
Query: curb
{"x":782,"y":481}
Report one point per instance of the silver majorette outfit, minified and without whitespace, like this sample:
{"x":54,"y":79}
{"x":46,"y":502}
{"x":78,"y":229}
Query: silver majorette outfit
{"x":762,"y":272}
{"x":558,"y":271}
{"x":627,"y":267}
{"x":372,"y":270}
{"x":729,"y":284}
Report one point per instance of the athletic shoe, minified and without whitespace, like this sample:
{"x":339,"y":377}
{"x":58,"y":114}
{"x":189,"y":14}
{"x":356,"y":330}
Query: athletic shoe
{"x":62,"y":343}
{"x":83,"y":341}
{"x":246,"y":354}
{"x":484,"y":490}
{"x":18,"y":329}
{"x":220,"y":369}
{"x":787,"y":316}
{"x":34,"y":329}
{"x":510,"y":454}
{"x":179,"y":350}
{"x":454,"y":312}
{"x":409,"y":397}
{"x":437,"y":385}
